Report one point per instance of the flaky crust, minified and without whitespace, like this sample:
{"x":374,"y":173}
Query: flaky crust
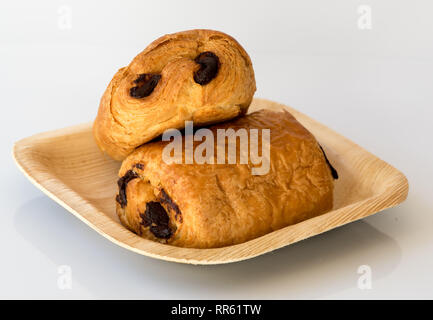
{"x":124,"y":123}
{"x":224,"y":204}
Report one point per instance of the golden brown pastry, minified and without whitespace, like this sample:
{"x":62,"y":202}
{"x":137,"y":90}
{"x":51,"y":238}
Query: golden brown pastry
{"x":215,"y":205}
{"x":199,"y":75}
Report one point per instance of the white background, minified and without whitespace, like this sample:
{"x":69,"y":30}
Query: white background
{"x":374,"y":86}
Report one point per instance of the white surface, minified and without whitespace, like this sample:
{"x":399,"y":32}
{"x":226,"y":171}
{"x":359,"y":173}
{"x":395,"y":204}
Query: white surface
{"x":373,"y":86}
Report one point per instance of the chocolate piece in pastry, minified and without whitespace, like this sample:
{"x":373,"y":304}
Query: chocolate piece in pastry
{"x":215,"y":205}
{"x":199,"y":75}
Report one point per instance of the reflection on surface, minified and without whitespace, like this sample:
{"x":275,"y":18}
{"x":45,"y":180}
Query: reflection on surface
{"x":313,"y":268}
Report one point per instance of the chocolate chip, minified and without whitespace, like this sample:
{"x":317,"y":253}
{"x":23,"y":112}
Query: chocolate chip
{"x":139,"y":166}
{"x":165,"y":199}
{"x":156,"y":217}
{"x":122,"y":183}
{"x":146,"y":82}
{"x":155,"y":213}
{"x":209,"y":65}
{"x":333,"y":171}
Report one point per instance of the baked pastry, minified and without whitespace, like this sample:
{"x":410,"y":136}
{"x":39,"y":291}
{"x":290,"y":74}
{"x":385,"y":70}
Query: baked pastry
{"x":199,"y":75}
{"x":213,"y":205}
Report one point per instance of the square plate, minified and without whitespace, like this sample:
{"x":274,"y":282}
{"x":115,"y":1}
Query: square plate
{"x":67,"y":165}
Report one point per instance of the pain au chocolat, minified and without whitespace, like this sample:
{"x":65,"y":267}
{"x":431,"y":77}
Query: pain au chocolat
{"x":200,"y":75}
{"x":214,"y":205}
